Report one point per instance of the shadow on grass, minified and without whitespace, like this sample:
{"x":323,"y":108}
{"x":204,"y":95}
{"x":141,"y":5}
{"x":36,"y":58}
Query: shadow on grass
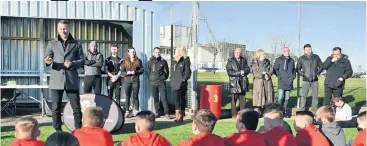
{"x":357,"y":106}
{"x":7,"y":128}
{"x":6,"y":136}
{"x":348,"y":98}
{"x":352,"y":90}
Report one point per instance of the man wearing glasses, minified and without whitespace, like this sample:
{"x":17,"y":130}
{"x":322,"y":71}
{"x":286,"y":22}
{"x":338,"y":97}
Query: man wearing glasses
{"x":285,"y":70}
{"x":338,"y":70}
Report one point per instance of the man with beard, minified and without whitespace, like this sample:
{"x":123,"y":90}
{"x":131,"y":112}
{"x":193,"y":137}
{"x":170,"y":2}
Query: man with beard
{"x":309,"y":66}
{"x":113,"y":64}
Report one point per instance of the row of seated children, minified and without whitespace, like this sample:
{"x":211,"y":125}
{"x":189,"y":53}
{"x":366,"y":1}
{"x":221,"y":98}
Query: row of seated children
{"x":273,"y":134}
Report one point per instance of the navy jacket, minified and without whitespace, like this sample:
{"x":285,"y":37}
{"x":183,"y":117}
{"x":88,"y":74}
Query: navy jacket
{"x":285,"y":77}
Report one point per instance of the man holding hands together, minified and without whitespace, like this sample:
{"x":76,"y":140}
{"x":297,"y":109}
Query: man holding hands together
{"x":64,"y":55}
{"x":113,"y":64}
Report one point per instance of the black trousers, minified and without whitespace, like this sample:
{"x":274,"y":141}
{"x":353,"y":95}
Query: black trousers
{"x":92,"y":82}
{"x":242,"y":100}
{"x":74,"y":98}
{"x":180,"y":98}
{"x":132,"y":87}
{"x":329,"y":92}
{"x":160,"y":90}
{"x":114,"y":87}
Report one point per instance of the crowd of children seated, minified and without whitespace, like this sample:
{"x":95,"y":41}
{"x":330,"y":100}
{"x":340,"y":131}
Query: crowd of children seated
{"x":274,"y":132}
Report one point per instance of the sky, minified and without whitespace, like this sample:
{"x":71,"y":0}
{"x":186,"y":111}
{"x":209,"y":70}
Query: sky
{"x":324,"y":25}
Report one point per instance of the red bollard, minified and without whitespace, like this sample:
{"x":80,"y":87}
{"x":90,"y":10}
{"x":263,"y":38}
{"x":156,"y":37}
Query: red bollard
{"x":211,"y":98}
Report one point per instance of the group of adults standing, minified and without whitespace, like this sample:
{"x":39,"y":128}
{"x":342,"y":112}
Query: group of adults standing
{"x":309,"y":67}
{"x":65,"y":56}
{"x":125,"y":73}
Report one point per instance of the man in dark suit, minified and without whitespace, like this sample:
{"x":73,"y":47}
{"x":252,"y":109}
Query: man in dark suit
{"x":64,"y":55}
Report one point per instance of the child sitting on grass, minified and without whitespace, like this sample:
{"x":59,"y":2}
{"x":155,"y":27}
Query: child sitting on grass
{"x":361,"y":137}
{"x":203,"y":126}
{"x":246,"y":124}
{"x":145,"y":136}
{"x":91,"y":134}
{"x":26,"y":132}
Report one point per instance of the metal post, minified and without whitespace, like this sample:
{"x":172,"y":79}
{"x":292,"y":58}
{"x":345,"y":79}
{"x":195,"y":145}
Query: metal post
{"x":41,"y":63}
{"x":172,"y":37}
{"x":194,"y":37}
{"x":299,"y":53}
{"x":41,"y":49}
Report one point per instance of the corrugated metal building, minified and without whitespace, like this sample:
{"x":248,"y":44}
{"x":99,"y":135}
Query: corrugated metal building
{"x":24,"y":24}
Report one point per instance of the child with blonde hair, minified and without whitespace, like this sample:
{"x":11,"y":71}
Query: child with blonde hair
{"x":26,"y":132}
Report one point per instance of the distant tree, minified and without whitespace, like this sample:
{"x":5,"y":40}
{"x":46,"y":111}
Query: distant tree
{"x":278,"y":42}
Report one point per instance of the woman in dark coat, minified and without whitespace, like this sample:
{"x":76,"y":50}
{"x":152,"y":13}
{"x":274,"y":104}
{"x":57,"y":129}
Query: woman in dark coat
{"x":285,"y":70}
{"x":131,"y":69}
{"x":263,"y":92}
{"x":237,"y":70}
{"x":180,"y":73}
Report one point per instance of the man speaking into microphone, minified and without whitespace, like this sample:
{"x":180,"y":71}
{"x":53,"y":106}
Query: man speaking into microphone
{"x":64,"y":55}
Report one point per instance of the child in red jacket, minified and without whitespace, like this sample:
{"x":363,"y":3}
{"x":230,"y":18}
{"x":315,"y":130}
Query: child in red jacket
{"x":361,"y":137}
{"x":246,"y":125}
{"x":203,"y":126}
{"x":26,"y":133}
{"x":308,"y":134}
{"x":91,"y":134}
{"x":145,"y":136}
{"x":275,"y":134}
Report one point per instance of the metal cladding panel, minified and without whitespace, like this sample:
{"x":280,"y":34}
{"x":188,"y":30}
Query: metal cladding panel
{"x":18,"y":53}
{"x":142,"y":42}
{"x":101,"y":10}
{"x":94,"y":10}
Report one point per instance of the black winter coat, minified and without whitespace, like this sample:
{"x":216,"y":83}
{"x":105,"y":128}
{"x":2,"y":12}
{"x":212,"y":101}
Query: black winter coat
{"x":309,"y":67}
{"x":341,"y":68}
{"x":138,"y":71}
{"x":113,"y":66}
{"x":180,"y":73}
{"x":238,"y":83}
{"x":157,"y":70}
{"x":285,"y":77}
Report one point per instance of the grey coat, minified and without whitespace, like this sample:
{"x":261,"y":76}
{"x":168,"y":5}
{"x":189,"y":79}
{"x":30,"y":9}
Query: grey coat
{"x":334,"y":134}
{"x":93,"y":64}
{"x":62,"y":77}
